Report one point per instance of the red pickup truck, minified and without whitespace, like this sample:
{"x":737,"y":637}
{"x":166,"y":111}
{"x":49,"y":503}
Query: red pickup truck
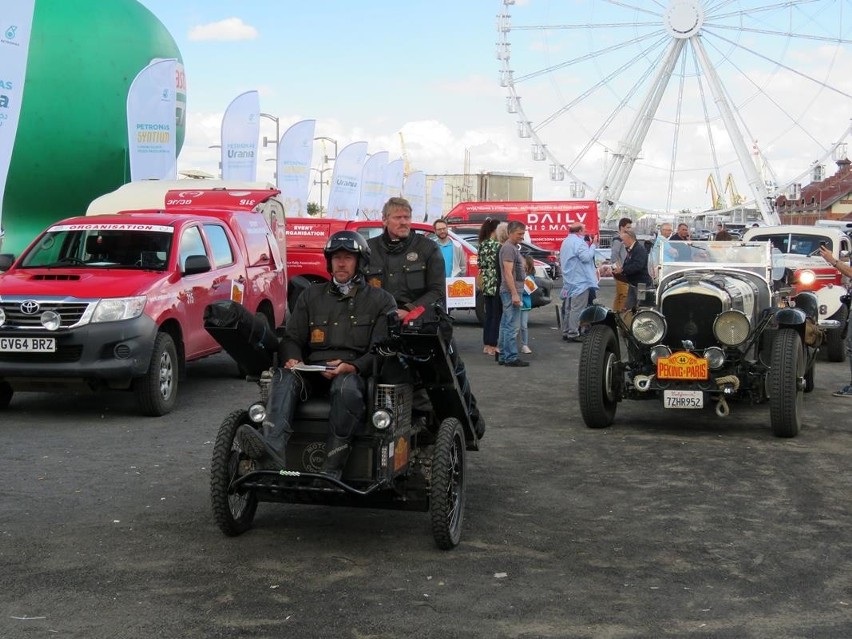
{"x":117,"y":301}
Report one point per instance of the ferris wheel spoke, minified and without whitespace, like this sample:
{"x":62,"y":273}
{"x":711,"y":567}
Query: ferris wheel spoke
{"x":584,"y":27}
{"x":711,"y":139}
{"x":749,"y":13}
{"x":676,"y":136}
{"x":591,"y":90}
{"x":801,"y":74}
{"x":633,"y":7}
{"x":782,"y":34}
{"x":583,"y":58}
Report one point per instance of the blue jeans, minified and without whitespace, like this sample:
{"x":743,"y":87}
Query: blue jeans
{"x":510,"y":324}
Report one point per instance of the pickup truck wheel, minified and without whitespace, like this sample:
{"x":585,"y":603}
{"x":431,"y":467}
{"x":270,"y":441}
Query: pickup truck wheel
{"x":6,"y":393}
{"x":835,"y":348}
{"x":233,"y":510}
{"x":446,"y":493}
{"x":598,"y":377}
{"x":785,"y":391}
{"x":156,"y":391}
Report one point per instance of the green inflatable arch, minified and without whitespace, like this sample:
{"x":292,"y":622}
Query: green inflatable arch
{"x":71,"y":144}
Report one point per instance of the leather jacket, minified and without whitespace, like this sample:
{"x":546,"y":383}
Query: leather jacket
{"x":412,"y":270}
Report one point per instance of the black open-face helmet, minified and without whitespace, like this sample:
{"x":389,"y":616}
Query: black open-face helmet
{"x":350,"y":241}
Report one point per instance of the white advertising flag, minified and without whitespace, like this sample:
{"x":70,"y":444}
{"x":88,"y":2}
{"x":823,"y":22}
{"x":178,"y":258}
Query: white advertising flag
{"x":414,"y":191}
{"x":240,"y":133}
{"x":393,"y":179}
{"x":295,"y":152}
{"x":435,"y":206}
{"x":14,"y":47}
{"x":372,"y":186}
{"x":346,"y":181}
{"x":151,"y":122}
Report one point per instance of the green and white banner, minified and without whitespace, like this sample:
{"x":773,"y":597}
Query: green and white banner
{"x":393,"y":176}
{"x":372,"y":187}
{"x":414,"y":190}
{"x":151,"y":122}
{"x":435,"y":207}
{"x":295,"y":152}
{"x":346,"y":181}
{"x":16,"y":22}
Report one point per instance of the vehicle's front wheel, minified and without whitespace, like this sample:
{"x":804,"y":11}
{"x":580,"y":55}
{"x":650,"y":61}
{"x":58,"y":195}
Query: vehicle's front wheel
{"x":6,"y":393}
{"x":598,"y":382}
{"x":232,"y":511}
{"x":785,"y":388}
{"x":446,"y":496}
{"x":156,"y":391}
{"x":835,"y":347}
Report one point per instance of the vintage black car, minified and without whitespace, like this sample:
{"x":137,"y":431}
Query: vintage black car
{"x":716,"y":330}
{"x":410,"y":454}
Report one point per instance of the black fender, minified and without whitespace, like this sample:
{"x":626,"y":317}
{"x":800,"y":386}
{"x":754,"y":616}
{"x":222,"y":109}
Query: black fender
{"x":808,"y":303}
{"x":598,"y":314}
{"x":790,"y":317}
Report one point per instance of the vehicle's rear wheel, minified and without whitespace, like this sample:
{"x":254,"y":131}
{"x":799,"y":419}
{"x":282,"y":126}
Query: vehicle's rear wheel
{"x":232,"y":511}
{"x":156,"y":391}
{"x":446,"y":495}
{"x":835,"y":347}
{"x":785,"y":389}
{"x":6,"y":393}
{"x":598,"y":383}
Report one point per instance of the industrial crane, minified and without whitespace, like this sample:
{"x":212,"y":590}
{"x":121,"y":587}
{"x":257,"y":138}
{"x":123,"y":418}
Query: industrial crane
{"x":731,"y":190}
{"x":406,"y":166}
{"x":717,"y":198}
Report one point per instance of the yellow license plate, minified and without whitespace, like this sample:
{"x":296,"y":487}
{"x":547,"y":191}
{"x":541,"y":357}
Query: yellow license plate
{"x":682,"y":365}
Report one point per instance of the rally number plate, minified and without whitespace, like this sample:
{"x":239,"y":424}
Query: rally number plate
{"x":683,"y":399}
{"x":27,"y":344}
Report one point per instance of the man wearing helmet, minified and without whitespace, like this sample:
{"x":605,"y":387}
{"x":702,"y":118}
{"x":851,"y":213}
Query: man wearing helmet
{"x":411,"y":268}
{"x":333,"y":324}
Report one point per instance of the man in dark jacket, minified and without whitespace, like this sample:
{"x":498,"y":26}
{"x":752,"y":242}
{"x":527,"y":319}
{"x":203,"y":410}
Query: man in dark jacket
{"x":333,"y":325}
{"x":411,"y":268}
{"x":635,"y":266}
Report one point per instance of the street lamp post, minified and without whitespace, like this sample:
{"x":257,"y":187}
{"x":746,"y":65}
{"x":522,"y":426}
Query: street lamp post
{"x":266,"y":141}
{"x":321,"y":182}
{"x":218,"y":146}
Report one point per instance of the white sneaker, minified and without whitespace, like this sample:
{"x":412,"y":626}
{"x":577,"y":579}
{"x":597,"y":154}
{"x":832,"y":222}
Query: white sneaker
{"x":526,"y":349}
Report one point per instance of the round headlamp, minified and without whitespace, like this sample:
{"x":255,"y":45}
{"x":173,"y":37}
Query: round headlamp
{"x":2,"y":317}
{"x":50,"y":320}
{"x":257,"y":413}
{"x":648,"y":327}
{"x":661,"y":350}
{"x":715,"y":357}
{"x":382,"y":419}
{"x":806,"y":277}
{"x":731,"y":327}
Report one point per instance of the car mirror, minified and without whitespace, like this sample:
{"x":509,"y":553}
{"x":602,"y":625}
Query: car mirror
{"x":196,"y":264}
{"x":6,"y":261}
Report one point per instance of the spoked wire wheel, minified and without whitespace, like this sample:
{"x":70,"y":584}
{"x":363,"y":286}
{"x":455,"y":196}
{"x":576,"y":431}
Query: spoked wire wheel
{"x":447,"y":491}
{"x":233,"y":511}
{"x":668,"y":105}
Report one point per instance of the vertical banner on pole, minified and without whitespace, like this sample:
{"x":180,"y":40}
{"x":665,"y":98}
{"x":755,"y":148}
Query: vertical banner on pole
{"x":295,"y":152}
{"x":240,"y":135}
{"x":414,"y":190}
{"x":346,"y":181}
{"x":393,"y":179}
{"x":152,"y":123}
{"x":435,"y":206}
{"x":16,"y":25}
{"x":372,"y":186}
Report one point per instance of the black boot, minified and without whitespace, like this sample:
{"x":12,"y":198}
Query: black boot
{"x":336,"y":454}
{"x":269,"y":446}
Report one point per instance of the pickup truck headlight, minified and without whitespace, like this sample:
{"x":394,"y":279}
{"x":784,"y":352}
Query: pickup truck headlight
{"x":119,"y":308}
{"x":806,"y":277}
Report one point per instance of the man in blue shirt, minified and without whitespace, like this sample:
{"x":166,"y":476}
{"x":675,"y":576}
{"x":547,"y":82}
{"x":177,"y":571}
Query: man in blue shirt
{"x":579,"y":277}
{"x":451,"y":250}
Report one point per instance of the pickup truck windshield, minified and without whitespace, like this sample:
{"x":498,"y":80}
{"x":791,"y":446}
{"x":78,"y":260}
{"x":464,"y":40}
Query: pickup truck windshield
{"x":115,"y":249}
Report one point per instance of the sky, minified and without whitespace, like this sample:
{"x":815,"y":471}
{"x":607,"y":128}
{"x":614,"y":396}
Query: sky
{"x":372,"y":69}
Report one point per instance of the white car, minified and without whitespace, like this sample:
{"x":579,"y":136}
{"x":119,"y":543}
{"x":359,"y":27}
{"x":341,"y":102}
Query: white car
{"x":799,"y":249}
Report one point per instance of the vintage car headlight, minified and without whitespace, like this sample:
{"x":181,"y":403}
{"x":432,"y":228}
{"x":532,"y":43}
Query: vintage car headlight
{"x":382,"y":419}
{"x":806,"y":277}
{"x":648,"y":327}
{"x":2,"y":317}
{"x":119,"y":308}
{"x":731,"y":327}
{"x":715,"y":357}
{"x":257,"y":413}
{"x":659,"y":351}
{"x":50,"y":320}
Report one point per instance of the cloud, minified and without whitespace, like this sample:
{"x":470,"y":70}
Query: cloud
{"x":227,"y":29}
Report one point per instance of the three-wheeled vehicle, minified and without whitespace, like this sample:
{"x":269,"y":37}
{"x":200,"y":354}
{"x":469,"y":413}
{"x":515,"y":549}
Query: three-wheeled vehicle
{"x":408,"y":455}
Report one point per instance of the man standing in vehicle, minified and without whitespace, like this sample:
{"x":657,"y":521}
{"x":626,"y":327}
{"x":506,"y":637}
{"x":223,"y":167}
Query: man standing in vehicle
{"x":410,"y":267}
{"x":333,"y":324}
{"x":450,"y":249}
{"x":635,"y":267}
{"x":654,"y":256}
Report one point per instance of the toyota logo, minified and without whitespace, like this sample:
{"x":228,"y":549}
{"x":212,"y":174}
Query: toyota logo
{"x":29,"y":307}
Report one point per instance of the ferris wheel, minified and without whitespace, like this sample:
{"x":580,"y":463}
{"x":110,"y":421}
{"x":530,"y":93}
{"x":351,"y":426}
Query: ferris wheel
{"x":645,"y":103}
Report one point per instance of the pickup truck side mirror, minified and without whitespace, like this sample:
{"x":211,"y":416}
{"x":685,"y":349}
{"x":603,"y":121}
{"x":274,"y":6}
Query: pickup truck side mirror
{"x":6,"y":261}
{"x":196,"y":264}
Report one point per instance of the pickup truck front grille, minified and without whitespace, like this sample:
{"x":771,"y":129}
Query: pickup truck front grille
{"x":69,"y":312}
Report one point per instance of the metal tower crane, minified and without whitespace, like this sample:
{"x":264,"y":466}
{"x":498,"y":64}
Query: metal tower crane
{"x":406,"y":165}
{"x":717,"y":198}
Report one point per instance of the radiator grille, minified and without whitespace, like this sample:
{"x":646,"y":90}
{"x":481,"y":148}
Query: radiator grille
{"x":397,"y":399}
{"x":690,"y":317}
{"x":70,"y":313}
